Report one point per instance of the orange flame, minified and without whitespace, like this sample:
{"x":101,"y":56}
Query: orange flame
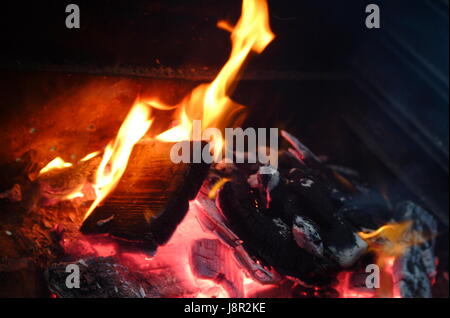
{"x":56,"y":163}
{"x":117,"y":153}
{"x":59,"y":163}
{"x":210,"y":102}
{"x":388,"y":243}
{"x":90,"y":156}
{"x":75,"y":194}
{"x":216,"y":187}
{"x":392,"y":239}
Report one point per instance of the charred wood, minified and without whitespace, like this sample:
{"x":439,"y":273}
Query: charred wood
{"x":269,"y":239}
{"x":151,"y":198}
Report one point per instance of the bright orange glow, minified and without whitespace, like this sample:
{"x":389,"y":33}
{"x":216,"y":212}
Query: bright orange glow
{"x":252,"y":32}
{"x":346,"y":291}
{"x":90,"y":156}
{"x":59,"y":163}
{"x":56,"y":163}
{"x":211,"y":102}
{"x":180,"y":132}
{"x":216,"y":187}
{"x":158,"y":105}
{"x":117,"y":152}
{"x":388,"y":243}
{"x":74,"y":195}
{"x":173,"y":259}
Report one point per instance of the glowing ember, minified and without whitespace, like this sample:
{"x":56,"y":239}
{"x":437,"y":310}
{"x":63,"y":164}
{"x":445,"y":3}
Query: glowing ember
{"x":117,"y":153}
{"x":211,"y":104}
{"x":388,"y":243}
{"x":208,"y":102}
{"x":173,"y":258}
{"x":392,"y":240}
{"x":347,"y":291}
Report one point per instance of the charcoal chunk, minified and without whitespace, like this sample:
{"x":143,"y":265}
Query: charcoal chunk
{"x":270,"y":240}
{"x":416,"y":268}
{"x":309,"y":197}
{"x":366,"y":211}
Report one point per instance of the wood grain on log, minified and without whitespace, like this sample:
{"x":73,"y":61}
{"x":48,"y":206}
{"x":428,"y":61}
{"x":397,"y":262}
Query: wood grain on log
{"x":151,"y":198}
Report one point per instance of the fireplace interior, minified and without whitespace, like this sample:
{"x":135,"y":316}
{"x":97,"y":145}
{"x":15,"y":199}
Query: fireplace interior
{"x":363,"y":153}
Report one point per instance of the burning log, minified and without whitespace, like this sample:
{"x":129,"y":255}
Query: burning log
{"x":65,"y":184}
{"x":212,"y":219}
{"x":270,"y":239}
{"x":289,"y":220}
{"x":151,"y":198}
{"x":103,"y":277}
{"x":32,"y":228}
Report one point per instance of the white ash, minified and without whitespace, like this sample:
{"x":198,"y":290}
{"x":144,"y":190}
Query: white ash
{"x":416,"y":268}
{"x":410,"y":273}
{"x":307,"y":183}
{"x":346,"y":257}
{"x":307,"y":236}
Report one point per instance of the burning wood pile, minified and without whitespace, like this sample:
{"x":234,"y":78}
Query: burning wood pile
{"x":137,"y":224}
{"x":306,"y":230}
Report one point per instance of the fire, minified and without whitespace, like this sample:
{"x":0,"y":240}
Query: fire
{"x":90,"y":156}
{"x":56,"y":163}
{"x":59,"y":163}
{"x":392,"y":239}
{"x":388,"y":243}
{"x":117,"y":152}
{"x":172,"y":258}
{"x":211,"y":102}
{"x":179,"y":132}
{"x":216,"y":187}
{"x":208,"y":102}
{"x":76,"y":194}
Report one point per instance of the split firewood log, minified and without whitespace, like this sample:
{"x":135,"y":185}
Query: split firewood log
{"x":151,"y":198}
